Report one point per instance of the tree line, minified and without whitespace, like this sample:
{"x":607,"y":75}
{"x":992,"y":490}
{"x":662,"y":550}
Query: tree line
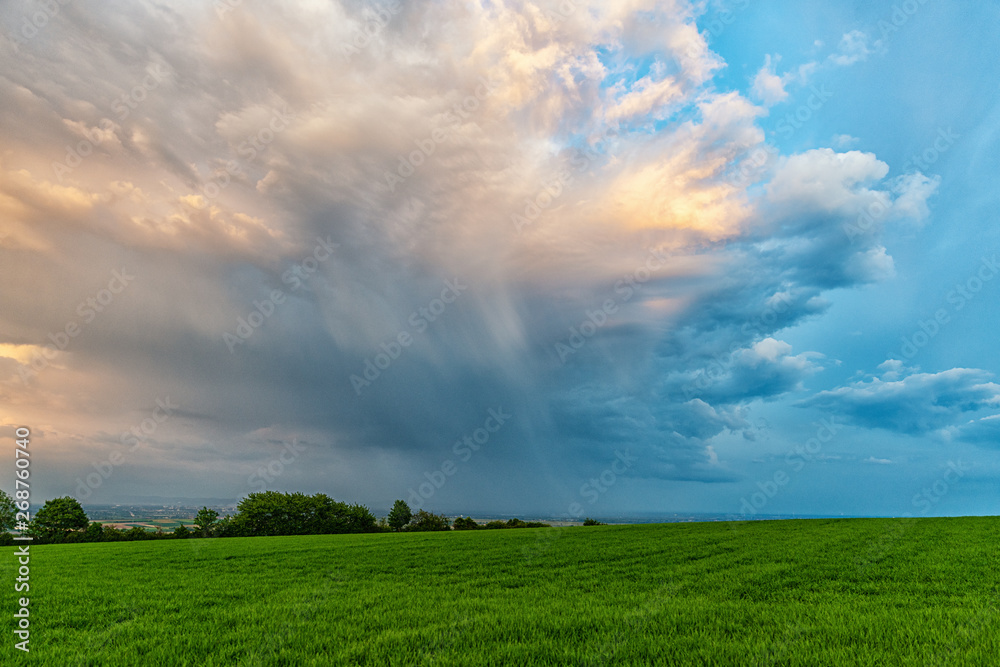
{"x":63,"y":520}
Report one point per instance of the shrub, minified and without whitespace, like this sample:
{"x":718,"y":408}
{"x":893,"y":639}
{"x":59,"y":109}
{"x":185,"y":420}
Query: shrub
{"x":592,"y":522}
{"x":465,"y":523}
{"x":425,"y":521}
{"x":274,"y":513}
{"x":112,"y":534}
{"x":94,"y":532}
{"x":136,"y":533}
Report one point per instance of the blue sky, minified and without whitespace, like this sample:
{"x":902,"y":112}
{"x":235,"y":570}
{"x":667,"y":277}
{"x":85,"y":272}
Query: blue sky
{"x":508,"y":257}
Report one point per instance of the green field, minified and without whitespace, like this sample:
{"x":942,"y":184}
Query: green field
{"x":810,"y":592}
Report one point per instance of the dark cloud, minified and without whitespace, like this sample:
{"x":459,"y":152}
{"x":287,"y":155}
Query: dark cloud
{"x":211,"y":206}
{"x":916,"y":404}
{"x":984,"y":432}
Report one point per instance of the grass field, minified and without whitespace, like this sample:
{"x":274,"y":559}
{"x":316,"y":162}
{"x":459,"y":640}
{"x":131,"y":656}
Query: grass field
{"x":817,"y":592}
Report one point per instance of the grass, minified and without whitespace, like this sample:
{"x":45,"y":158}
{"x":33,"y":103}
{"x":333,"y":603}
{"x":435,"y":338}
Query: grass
{"x":812,"y":592}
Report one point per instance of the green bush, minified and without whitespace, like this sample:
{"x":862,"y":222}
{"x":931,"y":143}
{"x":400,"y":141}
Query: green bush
{"x":137,"y":533}
{"x":274,"y":513}
{"x":425,"y":521}
{"x":465,"y":523}
{"x":94,"y":532}
{"x":112,"y":534}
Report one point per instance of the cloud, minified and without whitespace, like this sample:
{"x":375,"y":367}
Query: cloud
{"x":984,"y":431}
{"x":767,"y":86}
{"x":872,"y":459}
{"x":917,"y":404}
{"x":853,"y":48}
{"x":845,"y":141}
{"x":765,"y":369}
{"x":416,"y":156}
{"x":894,"y":369}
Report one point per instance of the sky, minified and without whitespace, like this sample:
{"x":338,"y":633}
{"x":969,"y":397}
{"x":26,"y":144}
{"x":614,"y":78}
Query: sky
{"x":556,"y":258}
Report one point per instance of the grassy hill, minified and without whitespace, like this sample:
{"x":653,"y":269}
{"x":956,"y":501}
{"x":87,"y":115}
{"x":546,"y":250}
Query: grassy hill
{"x":816,"y":592}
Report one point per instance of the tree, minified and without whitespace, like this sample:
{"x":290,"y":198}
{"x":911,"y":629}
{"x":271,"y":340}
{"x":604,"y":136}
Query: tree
{"x":181,"y":532}
{"x":136,"y":533}
{"x":59,"y":516}
{"x":465,"y":523}
{"x":205,"y":519}
{"x":94,"y":532}
{"x":112,"y":534}
{"x":399,"y":515}
{"x":424,"y":520}
{"x":592,"y":522}
{"x":230,"y":526}
{"x":7,"y":512}
{"x":275,"y":513}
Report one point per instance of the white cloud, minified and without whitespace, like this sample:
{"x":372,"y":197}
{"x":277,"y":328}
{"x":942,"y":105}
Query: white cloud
{"x":845,"y":141}
{"x":853,"y":48}
{"x":767,"y":86}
